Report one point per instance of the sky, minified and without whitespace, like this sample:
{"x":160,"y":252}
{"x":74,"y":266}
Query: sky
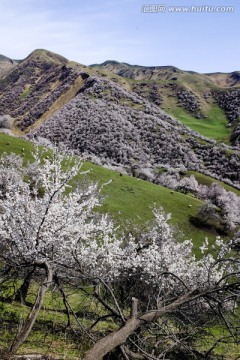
{"x":197,"y":35}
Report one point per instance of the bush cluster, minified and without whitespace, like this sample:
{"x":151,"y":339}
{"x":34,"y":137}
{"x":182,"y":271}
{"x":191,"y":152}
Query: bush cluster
{"x":188,"y":100}
{"x":229,"y":101}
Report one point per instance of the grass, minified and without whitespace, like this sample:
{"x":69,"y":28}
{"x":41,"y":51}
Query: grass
{"x":49,"y":335}
{"x":226,"y":346}
{"x":24,"y":94}
{"x":214,"y":126}
{"x":130,"y":200}
{"x":18,"y":146}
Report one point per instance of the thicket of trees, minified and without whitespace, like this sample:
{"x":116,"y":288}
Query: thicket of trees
{"x":151,"y":288}
{"x":220,"y":205}
{"x":122,"y":128}
{"x":230,"y":102}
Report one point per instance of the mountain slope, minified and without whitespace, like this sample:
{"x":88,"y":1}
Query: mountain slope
{"x":124,"y":129}
{"x":191,"y":97}
{"x":44,"y":81}
{"x":130,"y":197}
{"x":30,"y":90}
{"x":226,"y":80}
{"x":48,"y":96}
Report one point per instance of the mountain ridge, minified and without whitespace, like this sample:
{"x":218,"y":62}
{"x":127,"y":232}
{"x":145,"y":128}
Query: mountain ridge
{"x":35,"y":52}
{"x":172,"y":68}
{"x":42,"y":53}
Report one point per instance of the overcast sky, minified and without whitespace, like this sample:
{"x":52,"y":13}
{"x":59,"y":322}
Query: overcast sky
{"x":92,"y":31}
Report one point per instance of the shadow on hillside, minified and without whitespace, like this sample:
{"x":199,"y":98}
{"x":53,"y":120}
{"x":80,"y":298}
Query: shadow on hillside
{"x":211,"y":228}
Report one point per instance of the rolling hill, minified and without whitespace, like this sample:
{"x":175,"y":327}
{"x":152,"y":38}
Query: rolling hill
{"x":207,"y":103}
{"x":160,"y":73}
{"x":123,"y":121}
{"x":124,"y":129}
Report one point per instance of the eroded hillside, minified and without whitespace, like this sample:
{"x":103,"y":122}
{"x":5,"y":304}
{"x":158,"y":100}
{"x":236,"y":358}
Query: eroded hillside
{"x":28,"y":93}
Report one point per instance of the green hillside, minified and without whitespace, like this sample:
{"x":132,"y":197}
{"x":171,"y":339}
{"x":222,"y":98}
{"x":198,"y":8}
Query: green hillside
{"x":129,"y":199}
{"x":214,"y":125}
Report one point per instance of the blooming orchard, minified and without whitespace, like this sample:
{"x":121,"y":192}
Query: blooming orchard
{"x":49,"y":222}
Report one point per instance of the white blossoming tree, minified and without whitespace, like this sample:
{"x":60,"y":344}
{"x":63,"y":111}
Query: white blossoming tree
{"x":49,"y":226}
{"x":45,"y":219}
{"x":154,"y":276}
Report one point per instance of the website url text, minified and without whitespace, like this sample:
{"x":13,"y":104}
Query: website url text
{"x":162,"y":8}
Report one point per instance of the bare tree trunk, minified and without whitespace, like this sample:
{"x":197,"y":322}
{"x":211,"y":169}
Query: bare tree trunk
{"x":23,"y":290}
{"x":116,"y":338}
{"x":111,"y":341}
{"x":119,"y":337}
{"x":27,"y":326}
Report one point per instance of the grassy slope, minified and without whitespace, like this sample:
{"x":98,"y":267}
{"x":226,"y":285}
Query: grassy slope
{"x":214,"y":126}
{"x":50,"y":337}
{"x":128,"y":198}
